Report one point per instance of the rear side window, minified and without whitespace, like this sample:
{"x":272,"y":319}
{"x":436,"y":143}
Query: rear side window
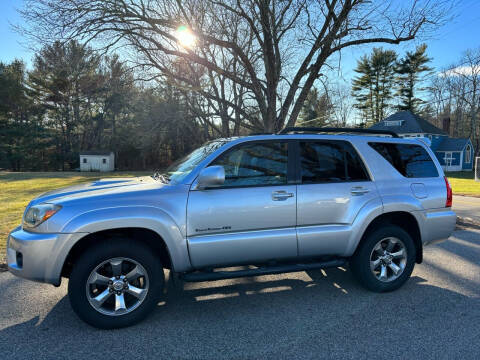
{"x":412,"y":161}
{"x":330,"y":161}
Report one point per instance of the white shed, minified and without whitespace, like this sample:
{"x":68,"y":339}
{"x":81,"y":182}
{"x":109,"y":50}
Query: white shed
{"x":97,"y":161}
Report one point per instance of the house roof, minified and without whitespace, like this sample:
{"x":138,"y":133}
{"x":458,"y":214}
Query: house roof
{"x":411,"y":124}
{"x":96,"y":152}
{"x":451,"y":144}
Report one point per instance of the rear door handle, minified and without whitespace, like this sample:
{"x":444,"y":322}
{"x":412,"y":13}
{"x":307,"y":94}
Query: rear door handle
{"x":281,"y":195}
{"x":359,"y":190}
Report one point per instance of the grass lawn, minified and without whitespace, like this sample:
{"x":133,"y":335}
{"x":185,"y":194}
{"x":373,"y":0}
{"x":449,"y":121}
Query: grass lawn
{"x":463,"y":183}
{"x":17,"y":189}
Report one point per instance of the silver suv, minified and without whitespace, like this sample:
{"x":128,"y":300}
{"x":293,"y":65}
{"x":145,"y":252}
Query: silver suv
{"x":279,"y":203}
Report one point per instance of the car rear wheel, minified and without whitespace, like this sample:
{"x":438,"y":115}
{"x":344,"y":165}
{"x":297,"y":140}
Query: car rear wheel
{"x":384,"y":259}
{"x":115,"y":284}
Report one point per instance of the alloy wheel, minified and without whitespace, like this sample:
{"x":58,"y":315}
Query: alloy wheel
{"x":388,"y":259}
{"x":117,"y":286}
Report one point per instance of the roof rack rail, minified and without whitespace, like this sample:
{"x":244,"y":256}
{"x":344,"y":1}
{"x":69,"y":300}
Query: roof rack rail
{"x":297,"y":129}
{"x":260,"y":133}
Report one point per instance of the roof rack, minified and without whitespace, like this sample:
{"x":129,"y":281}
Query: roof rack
{"x":296,"y":129}
{"x":260,"y":133}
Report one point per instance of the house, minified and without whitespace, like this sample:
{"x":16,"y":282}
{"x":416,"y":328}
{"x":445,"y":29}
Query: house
{"x":454,"y":154}
{"x":97,"y":161}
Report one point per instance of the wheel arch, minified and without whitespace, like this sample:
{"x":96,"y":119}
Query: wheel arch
{"x":147,"y":236}
{"x":402,"y":219}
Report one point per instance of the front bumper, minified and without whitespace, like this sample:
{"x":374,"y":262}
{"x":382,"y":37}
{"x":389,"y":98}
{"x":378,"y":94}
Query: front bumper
{"x":38,"y":256}
{"x":29,"y":255}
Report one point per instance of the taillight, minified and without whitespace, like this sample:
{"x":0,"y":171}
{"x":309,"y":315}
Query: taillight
{"x":448,"y":203}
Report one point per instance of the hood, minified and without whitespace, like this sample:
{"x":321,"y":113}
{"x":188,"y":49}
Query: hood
{"x":105,"y":194}
{"x":95,"y":188}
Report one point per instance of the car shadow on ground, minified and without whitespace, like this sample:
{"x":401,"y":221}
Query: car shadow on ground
{"x":270,"y":316}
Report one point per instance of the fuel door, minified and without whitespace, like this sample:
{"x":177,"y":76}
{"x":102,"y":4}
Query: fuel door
{"x":419,"y":190}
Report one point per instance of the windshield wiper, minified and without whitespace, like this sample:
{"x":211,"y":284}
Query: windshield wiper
{"x":161,"y":177}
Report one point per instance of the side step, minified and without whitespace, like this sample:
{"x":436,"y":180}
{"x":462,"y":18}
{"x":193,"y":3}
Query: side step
{"x":268,"y":270}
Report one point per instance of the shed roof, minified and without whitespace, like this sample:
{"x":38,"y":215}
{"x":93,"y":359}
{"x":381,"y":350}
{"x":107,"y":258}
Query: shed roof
{"x":411,"y":123}
{"x":96,"y":152}
{"x":452,"y":144}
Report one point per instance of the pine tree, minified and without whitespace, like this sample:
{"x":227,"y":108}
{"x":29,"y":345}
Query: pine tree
{"x":372,"y":88}
{"x":65,"y":81}
{"x":411,"y":72}
{"x":317,"y":109}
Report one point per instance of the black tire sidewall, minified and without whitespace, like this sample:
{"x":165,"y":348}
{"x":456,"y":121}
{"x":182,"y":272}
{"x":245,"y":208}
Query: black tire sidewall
{"x":360,"y":262}
{"x":99,"y":253}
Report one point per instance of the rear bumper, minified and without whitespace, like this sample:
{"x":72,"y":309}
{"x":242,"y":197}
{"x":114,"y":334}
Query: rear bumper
{"x":438,"y":226}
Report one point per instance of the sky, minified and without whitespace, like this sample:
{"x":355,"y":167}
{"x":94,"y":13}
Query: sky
{"x":446,"y":46}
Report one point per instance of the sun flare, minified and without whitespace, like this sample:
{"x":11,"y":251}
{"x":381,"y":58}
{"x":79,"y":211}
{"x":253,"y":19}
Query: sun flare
{"x":185,"y":37}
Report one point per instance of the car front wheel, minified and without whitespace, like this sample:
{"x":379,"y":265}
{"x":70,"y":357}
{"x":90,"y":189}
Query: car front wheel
{"x":115,"y":284}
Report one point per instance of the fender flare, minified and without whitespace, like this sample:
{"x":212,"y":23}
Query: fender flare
{"x":145,"y":217}
{"x":377,"y":207}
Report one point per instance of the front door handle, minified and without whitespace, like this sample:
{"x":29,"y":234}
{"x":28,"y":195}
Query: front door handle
{"x":359,"y":190}
{"x":281,"y":195}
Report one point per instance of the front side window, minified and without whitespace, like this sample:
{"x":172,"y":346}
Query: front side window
{"x":330,"y":161}
{"x":255,"y":164}
{"x":412,"y":161}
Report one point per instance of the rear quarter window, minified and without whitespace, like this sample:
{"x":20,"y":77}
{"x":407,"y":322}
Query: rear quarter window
{"x":412,"y":161}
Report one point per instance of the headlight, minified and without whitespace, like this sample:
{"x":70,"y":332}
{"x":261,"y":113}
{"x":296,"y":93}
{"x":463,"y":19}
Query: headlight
{"x":37,"y":214}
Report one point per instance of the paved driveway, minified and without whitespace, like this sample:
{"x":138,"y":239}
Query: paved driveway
{"x":467,"y":207}
{"x":320,"y":314}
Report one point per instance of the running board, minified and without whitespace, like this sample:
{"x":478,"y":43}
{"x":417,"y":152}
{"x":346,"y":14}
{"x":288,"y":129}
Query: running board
{"x":276,"y":269}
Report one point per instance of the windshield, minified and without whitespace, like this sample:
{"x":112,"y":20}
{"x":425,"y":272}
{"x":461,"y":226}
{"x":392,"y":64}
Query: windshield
{"x":180,"y":169}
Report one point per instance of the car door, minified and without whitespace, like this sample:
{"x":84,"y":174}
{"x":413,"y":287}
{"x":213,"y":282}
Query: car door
{"x":333,"y":186}
{"x":252,"y":217}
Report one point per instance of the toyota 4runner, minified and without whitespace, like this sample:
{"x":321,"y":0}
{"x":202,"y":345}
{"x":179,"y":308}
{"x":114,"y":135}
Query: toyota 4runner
{"x":292,"y":201}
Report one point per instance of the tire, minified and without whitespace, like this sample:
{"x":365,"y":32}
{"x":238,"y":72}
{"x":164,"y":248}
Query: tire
{"x":370,"y":258}
{"x":140,"y":270}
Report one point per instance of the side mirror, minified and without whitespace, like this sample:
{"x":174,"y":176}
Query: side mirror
{"x":211,"y":176}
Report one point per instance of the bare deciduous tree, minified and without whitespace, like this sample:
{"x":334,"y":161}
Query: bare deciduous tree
{"x":343,"y":105}
{"x":455,"y":93}
{"x":251,"y":60}
{"x":469,"y":75}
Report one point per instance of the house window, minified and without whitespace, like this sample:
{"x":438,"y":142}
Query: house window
{"x":448,"y":159}
{"x":393,"y":122}
{"x":104,"y":161}
{"x":84,"y":160}
{"x":468,"y":154}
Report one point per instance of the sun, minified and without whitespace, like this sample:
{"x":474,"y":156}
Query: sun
{"x":185,"y":37}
